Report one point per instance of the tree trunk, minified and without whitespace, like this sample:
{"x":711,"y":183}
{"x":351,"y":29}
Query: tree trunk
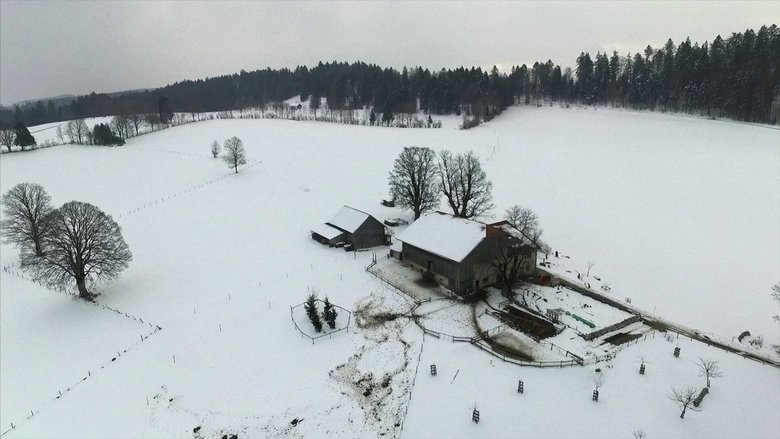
{"x":236,"y":168}
{"x":83,"y":293}
{"x":682,"y":415}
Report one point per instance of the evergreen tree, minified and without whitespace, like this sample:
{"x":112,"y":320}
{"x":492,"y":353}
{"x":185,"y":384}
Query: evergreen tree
{"x":310,"y":306}
{"x":314,"y":103}
{"x":23,"y":137}
{"x":329,"y":313}
{"x":102,"y":135}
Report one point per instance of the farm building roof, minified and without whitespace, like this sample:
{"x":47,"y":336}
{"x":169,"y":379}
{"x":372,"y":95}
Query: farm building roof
{"x":349,"y":219}
{"x":444,"y":235}
{"x":326,"y":231}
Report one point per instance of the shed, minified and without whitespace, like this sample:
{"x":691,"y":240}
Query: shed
{"x":328,"y":235}
{"x":356,"y":228}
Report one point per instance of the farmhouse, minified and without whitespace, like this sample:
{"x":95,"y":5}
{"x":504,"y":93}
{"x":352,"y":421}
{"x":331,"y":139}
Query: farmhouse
{"x":457,"y":251}
{"x":351,"y":227}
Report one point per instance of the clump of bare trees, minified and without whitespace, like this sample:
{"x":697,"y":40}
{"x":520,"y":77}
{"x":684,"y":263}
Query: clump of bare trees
{"x":7,"y":137}
{"x":76,"y":242}
{"x":215,"y":148}
{"x":418,"y":180}
{"x":234,"y":155}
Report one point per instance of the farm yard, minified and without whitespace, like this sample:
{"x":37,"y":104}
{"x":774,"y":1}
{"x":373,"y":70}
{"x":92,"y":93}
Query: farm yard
{"x":219,"y":259}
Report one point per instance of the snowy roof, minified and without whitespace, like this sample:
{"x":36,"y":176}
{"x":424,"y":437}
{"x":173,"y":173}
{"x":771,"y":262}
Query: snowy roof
{"x":326,"y":231}
{"x":444,"y":235}
{"x":349,"y":219}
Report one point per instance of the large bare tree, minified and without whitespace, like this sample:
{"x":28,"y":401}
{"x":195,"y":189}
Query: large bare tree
{"x":85,"y":245}
{"x":27,"y":216}
{"x":684,"y":398}
{"x":413,"y":180}
{"x":7,"y":137}
{"x":235,"y":154}
{"x":465,"y":184}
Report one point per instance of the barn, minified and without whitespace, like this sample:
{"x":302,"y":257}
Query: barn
{"x":456,"y":250}
{"x":351,"y":227}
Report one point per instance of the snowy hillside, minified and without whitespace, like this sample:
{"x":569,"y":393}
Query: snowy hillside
{"x":680,"y":214}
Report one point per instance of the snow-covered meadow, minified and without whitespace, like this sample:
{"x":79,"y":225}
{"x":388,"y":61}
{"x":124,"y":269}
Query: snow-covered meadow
{"x":678,"y":213}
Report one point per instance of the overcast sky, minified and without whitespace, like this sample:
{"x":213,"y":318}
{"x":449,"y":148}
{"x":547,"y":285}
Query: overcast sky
{"x":72,"y":47}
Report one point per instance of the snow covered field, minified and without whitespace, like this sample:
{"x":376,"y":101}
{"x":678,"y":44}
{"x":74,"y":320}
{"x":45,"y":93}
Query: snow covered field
{"x":680,"y":214}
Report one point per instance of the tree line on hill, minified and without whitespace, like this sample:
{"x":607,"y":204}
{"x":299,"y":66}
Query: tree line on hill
{"x":736,"y":77}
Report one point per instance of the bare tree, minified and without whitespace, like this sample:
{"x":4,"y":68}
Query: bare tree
{"x":465,"y":184}
{"x":599,"y":379}
{"x":776,"y":297}
{"x":152,"y":119}
{"x":413,"y":180}
{"x":234,"y":153}
{"x":85,"y":245}
{"x":709,"y":368}
{"x":77,"y":131}
{"x":136,"y":120}
{"x":215,"y":148}
{"x":60,"y":134}
{"x":510,"y":257}
{"x":27,"y":216}
{"x":684,"y":398}
{"x":7,"y":137}
{"x":512,"y":246}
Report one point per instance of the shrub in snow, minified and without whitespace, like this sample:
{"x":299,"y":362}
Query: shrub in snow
{"x":215,"y":148}
{"x":311,"y":310}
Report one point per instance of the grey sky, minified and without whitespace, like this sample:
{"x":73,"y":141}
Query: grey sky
{"x":72,"y":47}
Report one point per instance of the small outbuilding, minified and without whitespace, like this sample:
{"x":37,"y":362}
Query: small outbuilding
{"x":351,"y":227}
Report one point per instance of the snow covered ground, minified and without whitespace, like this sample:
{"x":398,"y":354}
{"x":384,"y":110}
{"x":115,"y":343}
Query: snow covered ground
{"x":680,"y":214}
